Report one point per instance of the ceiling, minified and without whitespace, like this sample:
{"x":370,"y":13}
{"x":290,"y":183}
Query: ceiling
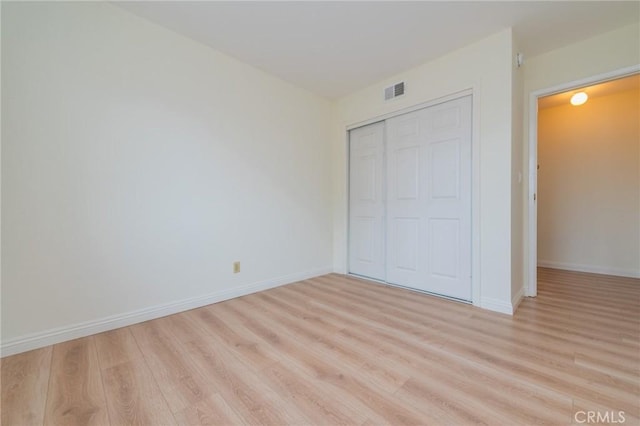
{"x":597,"y":90}
{"x":336,"y":48}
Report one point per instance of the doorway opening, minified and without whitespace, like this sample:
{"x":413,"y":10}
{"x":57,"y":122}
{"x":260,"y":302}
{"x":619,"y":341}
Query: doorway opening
{"x":584,"y":186}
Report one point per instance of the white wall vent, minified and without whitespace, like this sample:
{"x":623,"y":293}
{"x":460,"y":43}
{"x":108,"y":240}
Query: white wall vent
{"x":394,"y":91}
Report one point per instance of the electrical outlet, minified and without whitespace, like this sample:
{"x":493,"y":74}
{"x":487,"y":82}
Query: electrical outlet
{"x":236,"y":267}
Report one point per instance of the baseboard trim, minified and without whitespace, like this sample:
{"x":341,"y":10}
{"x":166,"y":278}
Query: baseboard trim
{"x":589,"y":268}
{"x":497,"y":305}
{"x":75,"y":331}
{"x":517,"y":298}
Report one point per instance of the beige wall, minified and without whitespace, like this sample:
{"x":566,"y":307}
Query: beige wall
{"x":601,"y":54}
{"x":138,"y":165}
{"x":589,"y":185}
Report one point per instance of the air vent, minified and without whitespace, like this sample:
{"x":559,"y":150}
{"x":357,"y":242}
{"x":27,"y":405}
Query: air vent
{"x":394,"y":91}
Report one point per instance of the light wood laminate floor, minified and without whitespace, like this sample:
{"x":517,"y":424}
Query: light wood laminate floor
{"x":339,"y":350}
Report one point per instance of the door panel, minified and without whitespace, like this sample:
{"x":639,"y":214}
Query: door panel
{"x":443,"y":247}
{"x":366,"y":201}
{"x":445,"y":170}
{"x":429,"y":186}
{"x":364,"y":239}
{"x":406,"y":243}
{"x":365,"y":177}
{"x":407,"y":173}
{"x":404,"y":187}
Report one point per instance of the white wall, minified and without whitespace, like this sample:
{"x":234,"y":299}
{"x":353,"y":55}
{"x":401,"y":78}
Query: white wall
{"x":485,"y":67}
{"x":589,"y":185}
{"x":517,"y":93}
{"x":601,"y":54}
{"x":137,"y":165}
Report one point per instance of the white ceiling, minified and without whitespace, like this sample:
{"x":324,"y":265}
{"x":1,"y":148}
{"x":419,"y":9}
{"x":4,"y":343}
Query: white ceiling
{"x":336,"y":48}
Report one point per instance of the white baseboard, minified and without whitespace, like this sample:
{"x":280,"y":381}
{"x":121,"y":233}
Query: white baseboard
{"x":497,"y":305}
{"x":517,"y":298}
{"x":75,"y":331}
{"x":630,"y":273}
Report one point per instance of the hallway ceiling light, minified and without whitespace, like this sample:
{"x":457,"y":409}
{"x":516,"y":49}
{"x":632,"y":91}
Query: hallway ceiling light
{"x":579,"y":98}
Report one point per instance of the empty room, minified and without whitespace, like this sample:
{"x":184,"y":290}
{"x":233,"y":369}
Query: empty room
{"x":320,"y":213}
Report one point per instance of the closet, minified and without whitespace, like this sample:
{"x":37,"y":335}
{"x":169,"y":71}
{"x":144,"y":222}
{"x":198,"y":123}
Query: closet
{"x":410,"y":200}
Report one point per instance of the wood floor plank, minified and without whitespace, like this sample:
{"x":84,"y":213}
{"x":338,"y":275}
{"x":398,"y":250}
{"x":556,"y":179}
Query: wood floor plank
{"x":329,"y":348}
{"x":311,"y":362}
{"x":133,"y":397}
{"x":116,"y":347}
{"x":76,"y":395}
{"x":302,"y":364}
{"x":383,"y":339}
{"x":192,"y":332}
{"x":253,"y":400}
{"x":434,"y":368}
{"x":211,"y":411}
{"x":246,"y":348}
{"x":179,"y":380}
{"x":25,"y":379}
{"x":337,"y":349}
{"x":539,"y":363}
{"x":339,"y":376}
{"x":319,"y":406}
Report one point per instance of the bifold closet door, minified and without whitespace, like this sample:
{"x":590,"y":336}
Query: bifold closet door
{"x":366,"y":203}
{"x":429,"y":199}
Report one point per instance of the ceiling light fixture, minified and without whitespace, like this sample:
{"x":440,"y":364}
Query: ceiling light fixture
{"x":579,"y":98}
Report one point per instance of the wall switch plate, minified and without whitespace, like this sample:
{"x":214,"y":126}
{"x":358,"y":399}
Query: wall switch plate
{"x":236,"y":267}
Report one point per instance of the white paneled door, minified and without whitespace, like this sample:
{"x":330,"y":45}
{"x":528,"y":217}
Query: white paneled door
{"x":366,"y":203}
{"x":428,"y":206}
{"x":410,"y":200}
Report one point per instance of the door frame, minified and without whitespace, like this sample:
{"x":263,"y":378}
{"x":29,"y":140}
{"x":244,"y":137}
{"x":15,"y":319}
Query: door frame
{"x":475,"y":174}
{"x":532,"y":205}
